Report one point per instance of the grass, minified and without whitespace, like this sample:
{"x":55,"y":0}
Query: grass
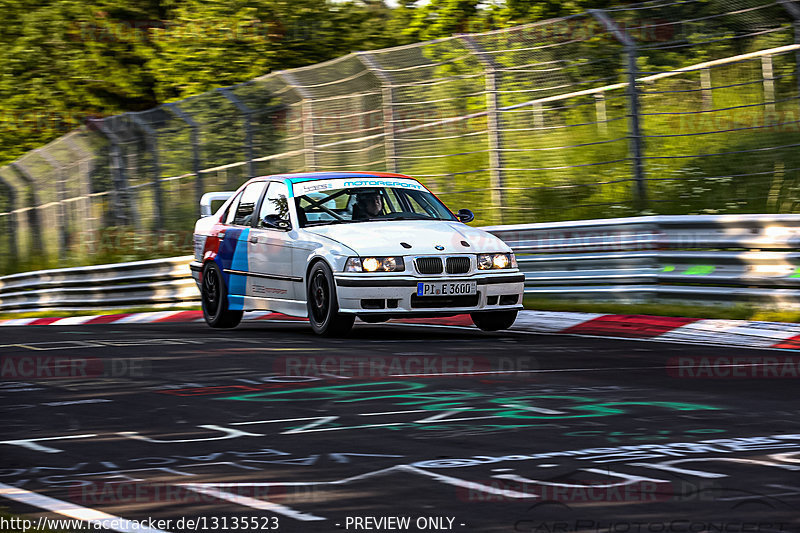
{"x":734,"y":312}
{"x":94,"y":312}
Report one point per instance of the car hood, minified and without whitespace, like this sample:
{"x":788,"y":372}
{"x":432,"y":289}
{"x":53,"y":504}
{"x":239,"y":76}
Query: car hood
{"x":384,"y":237}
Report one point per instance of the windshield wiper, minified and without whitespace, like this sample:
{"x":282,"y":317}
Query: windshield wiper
{"x":405,"y":217}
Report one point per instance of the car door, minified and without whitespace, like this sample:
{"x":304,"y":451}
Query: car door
{"x":270,"y":251}
{"x":232,"y":257}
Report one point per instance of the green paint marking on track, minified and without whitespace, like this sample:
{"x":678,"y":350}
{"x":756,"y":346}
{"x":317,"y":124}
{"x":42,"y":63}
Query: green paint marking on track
{"x":668,"y":268}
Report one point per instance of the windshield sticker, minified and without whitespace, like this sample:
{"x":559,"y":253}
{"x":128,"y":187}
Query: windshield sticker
{"x":343,"y":183}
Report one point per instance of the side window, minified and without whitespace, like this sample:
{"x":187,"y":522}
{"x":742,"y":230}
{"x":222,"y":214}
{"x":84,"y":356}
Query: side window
{"x":275,"y":205}
{"x":241,"y":213}
{"x":231,"y":211}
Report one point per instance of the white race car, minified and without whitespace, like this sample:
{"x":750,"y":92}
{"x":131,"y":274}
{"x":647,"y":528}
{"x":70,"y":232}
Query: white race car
{"x":334,"y":246}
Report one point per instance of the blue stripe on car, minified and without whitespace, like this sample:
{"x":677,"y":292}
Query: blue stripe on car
{"x":232,"y":255}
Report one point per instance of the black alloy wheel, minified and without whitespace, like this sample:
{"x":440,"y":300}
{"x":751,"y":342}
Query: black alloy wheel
{"x":323,"y":307}
{"x":214,"y":298}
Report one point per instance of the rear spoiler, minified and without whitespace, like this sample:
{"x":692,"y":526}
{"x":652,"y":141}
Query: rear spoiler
{"x":205,"y":201}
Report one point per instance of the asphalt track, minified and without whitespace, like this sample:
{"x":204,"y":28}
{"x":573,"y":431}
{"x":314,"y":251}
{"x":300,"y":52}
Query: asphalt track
{"x":396,"y":428}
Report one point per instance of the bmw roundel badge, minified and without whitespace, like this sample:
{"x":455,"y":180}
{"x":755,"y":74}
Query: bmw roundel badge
{"x":439,"y":247}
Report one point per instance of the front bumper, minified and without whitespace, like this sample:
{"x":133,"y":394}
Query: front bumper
{"x":196,"y":267}
{"x":397,"y":295}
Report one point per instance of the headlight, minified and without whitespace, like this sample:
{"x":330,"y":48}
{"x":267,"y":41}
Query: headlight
{"x":496,"y":261}
{"x":375,"y":264}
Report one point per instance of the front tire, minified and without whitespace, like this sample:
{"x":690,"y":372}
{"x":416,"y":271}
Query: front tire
{"x":494,"y":320}
{"x":214,"y":296}
{"x":323,"y":306}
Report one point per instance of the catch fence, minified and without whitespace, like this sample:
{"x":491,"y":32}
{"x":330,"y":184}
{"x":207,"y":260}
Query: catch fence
{"x":665,"y":107}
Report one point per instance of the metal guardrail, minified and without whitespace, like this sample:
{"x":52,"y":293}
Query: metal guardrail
{"x":713,"y":259}
{"x":157,"y":282}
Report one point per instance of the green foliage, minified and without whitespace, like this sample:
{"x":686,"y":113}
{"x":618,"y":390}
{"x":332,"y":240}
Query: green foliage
{"x":733,"y":312}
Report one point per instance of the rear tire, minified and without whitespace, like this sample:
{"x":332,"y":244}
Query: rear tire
{"x":494,"y":320}
{"x":323,"y":306}
{"x":214,"y":296}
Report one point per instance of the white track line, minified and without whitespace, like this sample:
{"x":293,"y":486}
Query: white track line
{"x":253,"y":503}
{"x":114,"y":523}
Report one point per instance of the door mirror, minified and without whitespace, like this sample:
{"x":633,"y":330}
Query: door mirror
{"x":465,"y":215}
{"x":275,"y":222}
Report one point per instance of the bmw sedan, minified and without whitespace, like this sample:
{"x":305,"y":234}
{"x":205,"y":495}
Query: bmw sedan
{"x":333,"y":246}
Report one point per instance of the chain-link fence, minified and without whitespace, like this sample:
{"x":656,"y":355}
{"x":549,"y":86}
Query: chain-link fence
{"x":673,"y":107}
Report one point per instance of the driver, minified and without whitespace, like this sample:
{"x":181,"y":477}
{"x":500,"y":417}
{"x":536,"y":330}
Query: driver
{"x":371,"y":203}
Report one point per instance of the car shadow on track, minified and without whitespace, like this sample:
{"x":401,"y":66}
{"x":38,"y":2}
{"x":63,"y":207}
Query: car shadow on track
{"x":388,"y":332}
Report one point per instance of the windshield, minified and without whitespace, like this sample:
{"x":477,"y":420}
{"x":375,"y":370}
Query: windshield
{"x":364,"y":204}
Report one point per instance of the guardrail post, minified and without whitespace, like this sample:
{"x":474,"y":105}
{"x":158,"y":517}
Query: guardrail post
{"x":12,"y":227}
{"x":387,"y":102}
{"x":490,"y":69}
{"x":769,"y":85}
{"x":34,"y":222}
{"x":151,"y":135}
{"x":248,"y":127}
{"x":308,"y":118}
{"x":195,"y":139}
{"x":601,"y":113}
{"x":62,"y":222}
{"x":705,"y":88}
{"x":634,"y":118}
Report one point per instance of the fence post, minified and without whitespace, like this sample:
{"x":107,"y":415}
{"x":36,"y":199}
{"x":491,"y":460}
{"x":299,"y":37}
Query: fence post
{"x":88,"y":217}
{"x":151,"y":135}
{"x":34,"y":222}
{"x":794,"y":10}
{"x":769,"y":86}
{"x":62,"y":196}
{"x":195,"y":139}
{"x":387,"y":101}
{"x":493,"y":118}
{"x":12,"y":227}
{"x":308,"y":118}
{"x":634,"y":118}
{"x":248,"y":128}
{"x":121,"y":206}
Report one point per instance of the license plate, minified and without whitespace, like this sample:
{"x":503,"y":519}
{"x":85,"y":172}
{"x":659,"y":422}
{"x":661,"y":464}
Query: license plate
{"x":447,"y":288}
